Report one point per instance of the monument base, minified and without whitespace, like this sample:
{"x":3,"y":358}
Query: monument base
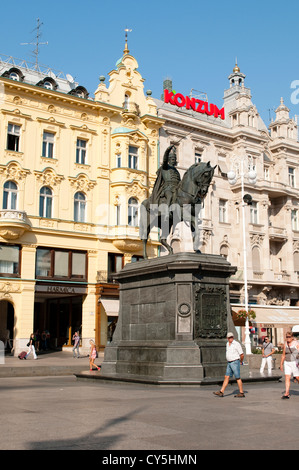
{"x":166,"y":360}
{"x":173,"y":319}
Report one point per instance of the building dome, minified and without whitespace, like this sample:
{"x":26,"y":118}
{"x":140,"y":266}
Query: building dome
{"x":119,"y":62}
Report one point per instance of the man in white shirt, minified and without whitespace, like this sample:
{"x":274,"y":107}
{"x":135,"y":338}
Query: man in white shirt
{"x":234,"y":356}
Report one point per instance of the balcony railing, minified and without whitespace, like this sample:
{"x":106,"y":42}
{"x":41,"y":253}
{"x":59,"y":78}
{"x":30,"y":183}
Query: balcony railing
{"x":14,"y":215}
{"x":282,"y":276}
{"x":131,"y":108}
{"x":277,"y":233}
{"x":13,"y":223}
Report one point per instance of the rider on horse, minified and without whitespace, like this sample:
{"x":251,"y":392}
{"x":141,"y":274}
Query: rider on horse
{"x":174,"y":200}
{"x":168,"y":179}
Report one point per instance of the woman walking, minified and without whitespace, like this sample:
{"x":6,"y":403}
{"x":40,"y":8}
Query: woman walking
{"x":92,"y":355}
{"x":289,"y":362}
{"x":76,"y":339}
{"x":31,"y":346}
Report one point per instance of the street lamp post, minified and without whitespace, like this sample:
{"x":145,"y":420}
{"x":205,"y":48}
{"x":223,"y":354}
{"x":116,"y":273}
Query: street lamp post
{"x":232,"y":178}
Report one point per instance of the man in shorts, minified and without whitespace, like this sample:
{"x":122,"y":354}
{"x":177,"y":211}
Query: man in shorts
{"x":234,"y":357}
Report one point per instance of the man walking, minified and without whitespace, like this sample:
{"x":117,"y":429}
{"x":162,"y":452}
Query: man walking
{"x":234,"y":356}
{"x":267,"y":351}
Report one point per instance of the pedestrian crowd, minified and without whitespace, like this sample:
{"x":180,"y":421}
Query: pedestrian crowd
{"x":289,"y":363}
{"x":234,"y":355}
{"x":34,"y":344}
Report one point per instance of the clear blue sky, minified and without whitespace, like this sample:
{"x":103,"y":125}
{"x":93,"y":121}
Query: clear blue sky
{"x":194,"y":42}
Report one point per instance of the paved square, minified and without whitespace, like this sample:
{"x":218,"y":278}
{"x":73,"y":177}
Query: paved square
{"x":66,"y":413}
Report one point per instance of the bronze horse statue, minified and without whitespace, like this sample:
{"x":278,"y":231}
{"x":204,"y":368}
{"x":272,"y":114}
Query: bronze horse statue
{"x":187,"y":201}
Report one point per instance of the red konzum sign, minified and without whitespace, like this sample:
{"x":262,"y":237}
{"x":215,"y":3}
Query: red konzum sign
{"x":200,"y":106}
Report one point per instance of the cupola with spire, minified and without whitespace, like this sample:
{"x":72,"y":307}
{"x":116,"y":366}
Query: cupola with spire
{"x":126,"y":91}
{"x":282,"y":112}
{"x":283,"y":125}
{"x":237,"y":77}
{"x":236,"y":89}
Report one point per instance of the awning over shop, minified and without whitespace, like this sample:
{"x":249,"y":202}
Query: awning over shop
{"x":273,"y":317}
{"x":111,"y":307}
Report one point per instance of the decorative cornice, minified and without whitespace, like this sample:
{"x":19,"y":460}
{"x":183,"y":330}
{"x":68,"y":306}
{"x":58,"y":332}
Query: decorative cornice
{"x":13,"y":170}
{"x":16,"y":113}
{"x":48,"y":177}
{"x":51,"y":120}
{"x":82,"y":183}
{"x":83,"y":128}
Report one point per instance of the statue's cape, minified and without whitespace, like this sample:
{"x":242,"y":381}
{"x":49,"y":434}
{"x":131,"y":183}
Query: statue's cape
{"x":159,"y":183}
{"x":158,"y":188}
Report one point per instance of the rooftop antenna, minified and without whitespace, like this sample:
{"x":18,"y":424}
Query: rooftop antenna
{"x":37,"y":43}
{"x":198,"y":94}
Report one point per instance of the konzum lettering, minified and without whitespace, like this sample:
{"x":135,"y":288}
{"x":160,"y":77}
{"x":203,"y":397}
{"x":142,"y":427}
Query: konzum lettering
{"x":200,"y":106}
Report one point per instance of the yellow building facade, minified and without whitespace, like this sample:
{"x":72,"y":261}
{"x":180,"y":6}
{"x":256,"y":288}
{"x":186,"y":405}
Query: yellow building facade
{"x":73,"y":172}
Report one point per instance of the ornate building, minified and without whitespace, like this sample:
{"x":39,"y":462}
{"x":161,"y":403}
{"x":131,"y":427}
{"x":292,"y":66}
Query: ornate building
{"x":272,"y":224}
{"x":73,"y":171}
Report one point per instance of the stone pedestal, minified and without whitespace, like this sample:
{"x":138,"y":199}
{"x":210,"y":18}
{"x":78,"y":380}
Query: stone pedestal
{"x":174,"y":312}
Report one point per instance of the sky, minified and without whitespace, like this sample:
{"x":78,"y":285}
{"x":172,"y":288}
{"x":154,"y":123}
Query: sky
{"x":194,"y":42}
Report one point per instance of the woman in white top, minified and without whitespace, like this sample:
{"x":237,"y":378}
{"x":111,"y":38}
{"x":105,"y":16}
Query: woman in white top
{"x":289,"y":361}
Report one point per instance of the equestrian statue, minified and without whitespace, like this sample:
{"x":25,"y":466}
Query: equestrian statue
{"x":174,"y":199}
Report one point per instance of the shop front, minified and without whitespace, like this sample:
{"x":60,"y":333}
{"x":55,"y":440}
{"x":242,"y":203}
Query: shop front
{"x":58,"y":313}
{"x":6,"y":324}
{"x":107,"y":312}
{"x":270,"y":320}
{"x":110,"y":308}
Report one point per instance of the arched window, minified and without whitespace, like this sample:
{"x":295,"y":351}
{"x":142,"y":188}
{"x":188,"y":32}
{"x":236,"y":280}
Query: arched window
{"x":127,"y":101}
{"x":45,"y":202}
{"x":224,"y":251}
{"x":133,"y":212}
{"x":14,"y":76}
{"x":79,"y":91}
{"x":80,"y":207}
{"x":48,"y":85}
{"x":256,"y":262}
{"x":10,"y":195}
